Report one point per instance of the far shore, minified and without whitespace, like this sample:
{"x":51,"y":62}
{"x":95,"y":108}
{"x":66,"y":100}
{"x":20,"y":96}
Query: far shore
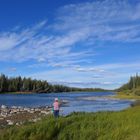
{"x":18,"y":92}
{"x":34,"y":92}
{"x":121,"y":95}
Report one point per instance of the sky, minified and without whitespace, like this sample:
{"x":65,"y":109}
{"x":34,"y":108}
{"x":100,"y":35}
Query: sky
{"x":80,"y":43}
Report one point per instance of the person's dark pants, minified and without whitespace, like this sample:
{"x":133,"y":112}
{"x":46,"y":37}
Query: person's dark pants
{"x":56,"y":113}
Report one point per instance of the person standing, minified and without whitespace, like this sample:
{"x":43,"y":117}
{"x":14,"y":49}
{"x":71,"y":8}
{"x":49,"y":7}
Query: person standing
{"x":56,"y":108}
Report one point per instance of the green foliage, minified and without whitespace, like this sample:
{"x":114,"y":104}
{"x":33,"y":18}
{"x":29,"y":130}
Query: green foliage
{"x":28,"y":85}
{"x":132,"y":87}
{"x":123,"y":125}
{"x":137,"y":92}
{"x":19,"y":84}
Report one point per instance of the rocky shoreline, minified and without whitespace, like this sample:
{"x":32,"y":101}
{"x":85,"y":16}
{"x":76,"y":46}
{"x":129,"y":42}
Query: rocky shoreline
{"x":17,"y":115}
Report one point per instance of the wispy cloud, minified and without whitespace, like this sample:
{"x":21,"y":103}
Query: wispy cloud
{"x":12,"y":69}
{"x":74,"y":23}
{"x":32,"y":44}
{"x":114,"y":66}
{"x":100,"y":20}
{"x":85,"y":84}
{"x":89,"y":70}
{"x":111,"y":70}
{"x":69,"y":42}
{"x":105,"y":20}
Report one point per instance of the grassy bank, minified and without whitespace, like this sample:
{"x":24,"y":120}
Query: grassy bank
{"x":123,"y":125}
{"x":124,"y":95}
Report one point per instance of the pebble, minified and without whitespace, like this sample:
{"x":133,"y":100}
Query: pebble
{"x":10,"y":122}
{"x":6,"y":111}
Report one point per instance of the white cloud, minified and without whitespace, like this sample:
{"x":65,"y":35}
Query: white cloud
{"x":89,"y":69}
{"x":114,"y":66}
{"x":111,"y":70}
{"x":41,"y":59}
{"x":12,"y":69}
{"x":85,"y":84}
{"x":7,"y":43}
{"x":106,"y":20}
{"x":69,"y":44}
{"x":32,"y":44}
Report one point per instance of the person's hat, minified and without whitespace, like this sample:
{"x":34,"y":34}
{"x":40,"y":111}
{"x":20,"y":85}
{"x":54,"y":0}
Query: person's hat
{"x":56,"y":99}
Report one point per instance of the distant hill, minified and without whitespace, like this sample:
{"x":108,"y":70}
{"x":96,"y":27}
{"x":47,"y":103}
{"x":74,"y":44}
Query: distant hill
{"x":132,"y":87}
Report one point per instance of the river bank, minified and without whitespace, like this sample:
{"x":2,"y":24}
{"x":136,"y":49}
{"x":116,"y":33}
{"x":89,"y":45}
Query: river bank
{"x":17,"y":115}
{"x":122,"y":125}
{"x":123,"y":95}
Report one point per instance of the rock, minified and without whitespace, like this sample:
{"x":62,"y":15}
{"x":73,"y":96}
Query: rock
{"x":5,"y":112}
{"x":44,"y":112}
{"x":10,"y":122}
{"x":1,"y":118}
{"x":20,"y":123}
{"x":14,"y":107}
{"x":9,"y":114}
{"x":13,"y":111}
{"x":4,"y":107}
{"x":17,"y":124}
{"x":27,"y":109}
{"x":21,"y":109}
{"x":37,"y":109}
{"x":47,"y":107}
{"x":3,"y":115}
{"x":35,"y":120}
{"x":31,"y":111}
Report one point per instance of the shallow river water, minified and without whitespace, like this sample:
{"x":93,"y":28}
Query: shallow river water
{"x":76,"y":102}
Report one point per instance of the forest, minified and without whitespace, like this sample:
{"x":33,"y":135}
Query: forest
{"x":19,"y":84}
{"x":132,"y":87}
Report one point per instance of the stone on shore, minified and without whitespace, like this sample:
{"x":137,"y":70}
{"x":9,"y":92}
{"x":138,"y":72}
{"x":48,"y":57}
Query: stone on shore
{"x":17,"y":114}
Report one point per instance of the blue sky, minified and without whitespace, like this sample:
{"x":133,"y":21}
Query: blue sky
{"x":82,"y":43}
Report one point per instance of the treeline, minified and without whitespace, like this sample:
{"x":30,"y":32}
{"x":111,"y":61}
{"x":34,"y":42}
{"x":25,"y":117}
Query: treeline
{"x":133,"y":85}
{"x":19,"y":84}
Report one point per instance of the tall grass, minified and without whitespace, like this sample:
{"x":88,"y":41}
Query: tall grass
{"x":123,"y":125}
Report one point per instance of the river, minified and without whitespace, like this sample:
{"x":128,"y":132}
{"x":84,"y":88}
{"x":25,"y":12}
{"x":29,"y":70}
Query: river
{"x":77,"y":102}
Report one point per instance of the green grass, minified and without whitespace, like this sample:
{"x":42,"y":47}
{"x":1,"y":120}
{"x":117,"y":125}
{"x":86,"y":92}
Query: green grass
{"x":123,"y":125}
{"x":129,"y":94}
{"x":121,"y":95}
